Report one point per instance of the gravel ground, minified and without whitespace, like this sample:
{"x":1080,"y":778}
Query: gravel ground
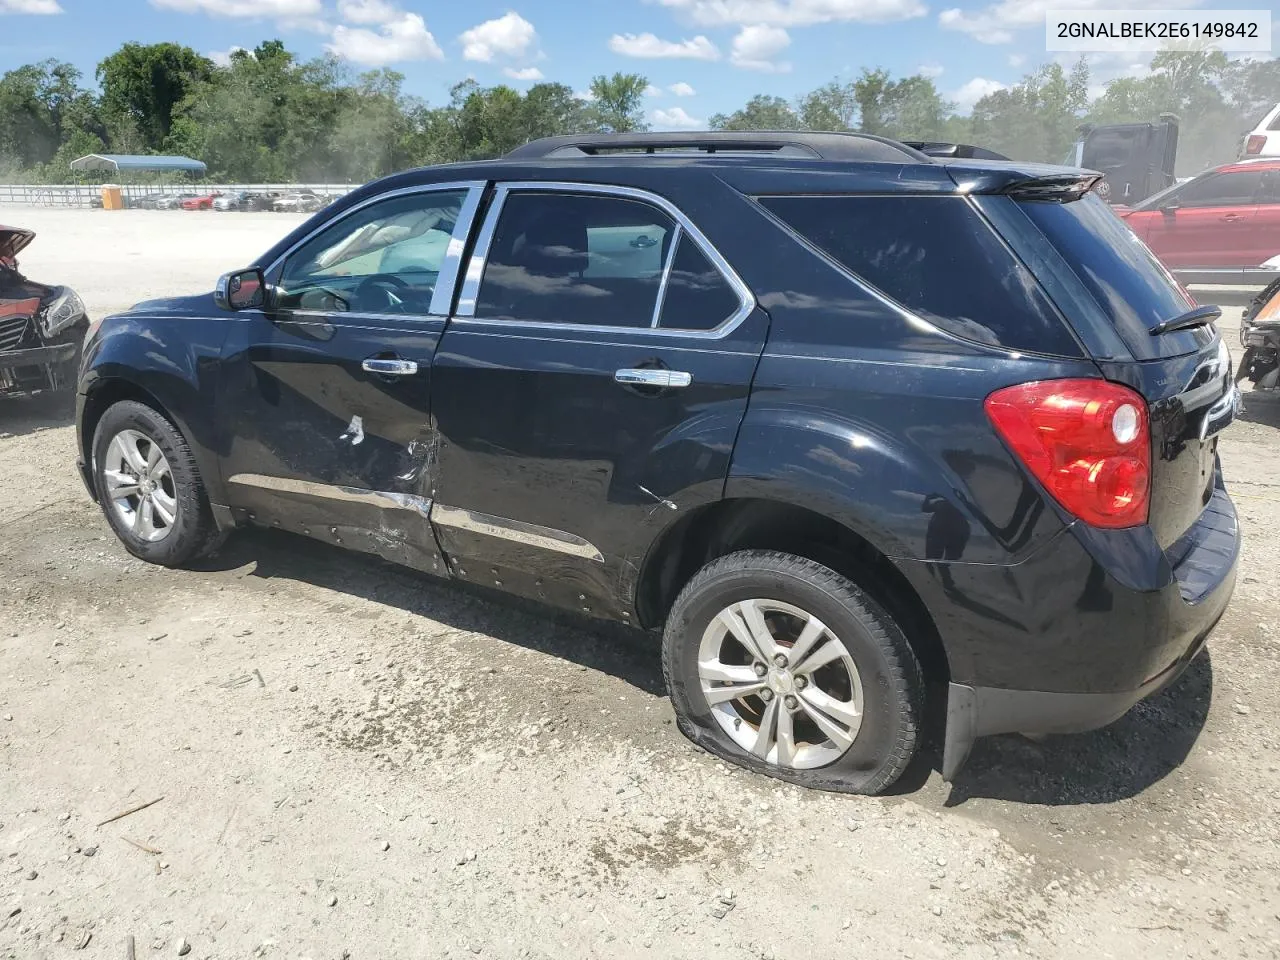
{"x":351,"y":760}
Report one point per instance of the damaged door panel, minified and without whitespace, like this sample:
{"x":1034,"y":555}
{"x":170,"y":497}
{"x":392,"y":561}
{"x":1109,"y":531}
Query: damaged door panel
{"x":333,"y":377}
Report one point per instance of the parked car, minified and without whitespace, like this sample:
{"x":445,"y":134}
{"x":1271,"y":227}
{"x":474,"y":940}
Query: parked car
{"x":862,"y":421}
{"x":265,"y":200}
{"x":1264,"y":139}
{"x":203,"y":201}
{"x":238,"y":200}
{"x":149,"y":201}
{"x":1223,"y":219}
{"x":41,"y":326}
{"x":303,"y":201}
{"x":173,"y":201}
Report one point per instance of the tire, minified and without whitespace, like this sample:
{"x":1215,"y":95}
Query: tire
{"x":788,"y":589}
{"x":192,"y":532}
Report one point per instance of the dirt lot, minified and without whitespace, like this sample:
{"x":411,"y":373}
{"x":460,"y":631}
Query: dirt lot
{"x":356,"y":761}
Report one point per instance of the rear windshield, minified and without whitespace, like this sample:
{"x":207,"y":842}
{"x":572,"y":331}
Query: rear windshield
{"x":1126,"y":279}
{"x":937,"y":257}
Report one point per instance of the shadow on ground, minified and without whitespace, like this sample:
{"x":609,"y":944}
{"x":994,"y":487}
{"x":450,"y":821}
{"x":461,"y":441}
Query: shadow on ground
{"x":626,"y":653}
{"x":1261,"y":406}
{"x":30,"y":414}
{"x":1115,"y":763}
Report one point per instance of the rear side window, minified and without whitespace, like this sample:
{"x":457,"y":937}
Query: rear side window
{"x":938,"y":258}
{"x":582,"y":259}
{"x":1118,"y":269}
{"x":1222,"y":190}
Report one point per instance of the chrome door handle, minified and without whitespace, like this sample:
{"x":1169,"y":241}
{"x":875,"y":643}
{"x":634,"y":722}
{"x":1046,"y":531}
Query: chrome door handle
{"x":653,"y":377}
{"x":390,"y":368}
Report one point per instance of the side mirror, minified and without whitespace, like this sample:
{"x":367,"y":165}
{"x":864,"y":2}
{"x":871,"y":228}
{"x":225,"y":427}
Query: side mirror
{"x":1170,"y":208}
{"x":241,"y":290}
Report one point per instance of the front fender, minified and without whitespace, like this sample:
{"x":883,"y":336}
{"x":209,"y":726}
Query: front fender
{"x":172,"y":360}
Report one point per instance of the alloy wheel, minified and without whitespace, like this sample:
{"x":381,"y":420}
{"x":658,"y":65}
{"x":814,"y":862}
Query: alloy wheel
{"x":139,"y":483}
{"x":780,"y":683}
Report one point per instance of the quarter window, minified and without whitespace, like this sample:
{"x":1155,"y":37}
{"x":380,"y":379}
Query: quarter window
{"x":598,"y":260}
{"x":384,"y":258}
{"x":938,"y":258}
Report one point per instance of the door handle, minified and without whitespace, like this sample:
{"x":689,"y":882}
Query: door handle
{"x":1231,"y":217}
{"x":388,"y":367}
{"x":653,"y":377}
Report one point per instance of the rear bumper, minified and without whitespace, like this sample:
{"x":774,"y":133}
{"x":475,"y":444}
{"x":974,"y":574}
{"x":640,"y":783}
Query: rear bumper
{"x":37,"y":356}
{"x":1077,"y":634}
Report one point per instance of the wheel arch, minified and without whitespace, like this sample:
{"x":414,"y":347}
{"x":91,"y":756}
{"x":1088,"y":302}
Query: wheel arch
{"x":728,"y":526}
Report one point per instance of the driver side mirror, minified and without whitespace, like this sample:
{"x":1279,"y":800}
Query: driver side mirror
{"x":241,"y":290}
{"x":1170,"y":208}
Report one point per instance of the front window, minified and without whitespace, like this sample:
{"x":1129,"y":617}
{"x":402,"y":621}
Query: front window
{"x":384,"y":258}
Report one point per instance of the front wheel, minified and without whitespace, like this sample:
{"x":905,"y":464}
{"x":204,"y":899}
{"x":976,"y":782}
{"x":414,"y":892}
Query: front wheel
{"x":149,"y":486}
{"x":785,"y":667}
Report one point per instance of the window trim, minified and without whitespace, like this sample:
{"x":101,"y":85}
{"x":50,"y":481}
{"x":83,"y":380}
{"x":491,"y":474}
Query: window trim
{"x":466,"y":310}
{"x":450,"y":267}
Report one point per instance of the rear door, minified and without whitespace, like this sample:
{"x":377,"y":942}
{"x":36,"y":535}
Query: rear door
{"x":1209,"y":222}
{"x":1264,"y":234}
{"x":327,"y":391}
{"x":587,"y":392}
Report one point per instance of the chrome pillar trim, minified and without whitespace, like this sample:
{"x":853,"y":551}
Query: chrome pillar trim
{"x":529,"y":534}
{"x":666,"y":276}
{"x":447,"y":280}
{"x":480,"y":255}
{"x":385,"y":499}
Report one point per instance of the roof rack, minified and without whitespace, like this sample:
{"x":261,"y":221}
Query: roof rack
{"x":779,"y":143}
{"x":954,"y":151}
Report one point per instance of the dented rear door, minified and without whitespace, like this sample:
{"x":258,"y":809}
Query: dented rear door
{"x":328,"y":389}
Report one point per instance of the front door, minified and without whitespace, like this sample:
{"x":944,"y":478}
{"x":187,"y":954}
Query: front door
{"x":588,"y":391}
{"x":327,"y":391}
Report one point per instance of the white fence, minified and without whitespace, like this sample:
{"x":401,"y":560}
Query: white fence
{"x":80,"y":195}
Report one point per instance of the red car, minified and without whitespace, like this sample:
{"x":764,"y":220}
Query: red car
{"x":1225,"y":217}
{"x":202,"y":202}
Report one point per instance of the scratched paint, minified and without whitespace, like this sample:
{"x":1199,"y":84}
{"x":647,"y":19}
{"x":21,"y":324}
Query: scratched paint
{"x":354,"y":432}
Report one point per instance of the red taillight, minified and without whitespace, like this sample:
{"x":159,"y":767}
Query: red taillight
{"x":1087,"y":441}
{"x":1255,"y":143}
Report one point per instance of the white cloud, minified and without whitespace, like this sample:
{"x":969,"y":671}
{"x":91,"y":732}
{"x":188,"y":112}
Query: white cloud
{"x":585,"y":95}
{"x":241,"y":8}
{"x":528,"y":73}
{"x":930,"y":70}
{"x":996,"y":23}
{"x":756,"y":46}
{"x":1017,"y":60}
{"x":367,"y":11}
{"x":510,"y":35}
{"x":30,"y":6}
{"x":652,"y":91}
{"x":648,"y":46}
{"x":682,"y":89}
{"x":975,"y":90}
{"x":404,"y":39}
{"x":795,"y":13}
{"x":675,"y":119}
{"x":308,"y":24}
{"x":222,"y":57}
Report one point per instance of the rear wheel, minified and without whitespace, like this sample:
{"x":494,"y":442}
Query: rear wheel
{"x":785,"y":667}
{"x":150,"y":487}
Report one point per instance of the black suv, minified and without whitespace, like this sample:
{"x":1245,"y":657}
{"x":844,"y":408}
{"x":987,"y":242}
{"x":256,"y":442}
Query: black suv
{"x":847,"y":422}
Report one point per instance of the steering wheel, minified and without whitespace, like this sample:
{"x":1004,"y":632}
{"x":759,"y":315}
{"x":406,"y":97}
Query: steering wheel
{"x":387,"y":284}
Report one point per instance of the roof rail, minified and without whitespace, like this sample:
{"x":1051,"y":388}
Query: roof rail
{"x":781,"y":143}
{"x":954,"y":151}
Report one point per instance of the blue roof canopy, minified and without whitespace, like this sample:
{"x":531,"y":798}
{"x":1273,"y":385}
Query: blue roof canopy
{"x":121,"y":161}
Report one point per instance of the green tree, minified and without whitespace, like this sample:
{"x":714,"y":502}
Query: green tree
{"x":762,"y":112}
{"x":41,"y":107}
{"x":833,"y":106}
{"x":1036,"y":119}
{"x":142,"y":86}
{"x":618,"y":106}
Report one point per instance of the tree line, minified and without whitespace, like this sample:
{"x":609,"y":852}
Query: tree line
{"x":268,"y":116}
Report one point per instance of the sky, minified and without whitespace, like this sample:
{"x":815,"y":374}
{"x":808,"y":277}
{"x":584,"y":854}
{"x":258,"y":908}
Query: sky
{"x":701,"y":56}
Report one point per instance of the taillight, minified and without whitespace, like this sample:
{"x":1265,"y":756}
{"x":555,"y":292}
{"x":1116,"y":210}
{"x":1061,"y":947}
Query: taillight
{"x":1255,"y":143}
{"x":1087,"y":441}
